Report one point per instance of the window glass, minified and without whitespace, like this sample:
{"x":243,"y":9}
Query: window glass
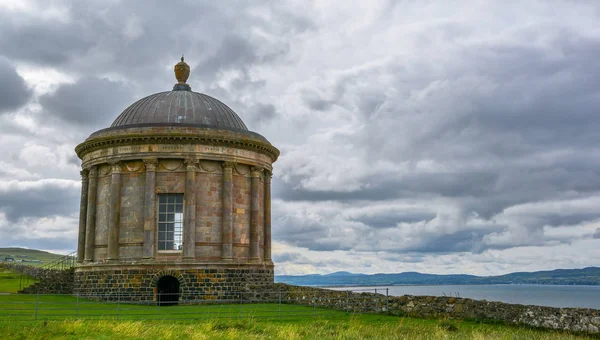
{"x":170,"y":222}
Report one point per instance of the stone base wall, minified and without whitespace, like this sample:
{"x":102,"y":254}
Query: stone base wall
{"x":140,"y":283}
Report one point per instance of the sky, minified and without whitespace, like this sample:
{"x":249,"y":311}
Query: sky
{"x":430,"y":136}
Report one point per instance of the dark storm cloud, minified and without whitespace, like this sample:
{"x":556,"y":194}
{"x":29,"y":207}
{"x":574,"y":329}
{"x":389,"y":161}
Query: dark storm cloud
{"x":391,"y":219}
{"x":261,"y":113}
{"x":90,"y":101}
{"x":315,"y":235}
{"x":389,"y":186}
{"x":15,"y":92}
{"x":507,"y":123}
{"x":43,"y":41}
{"x":51,"y":243}
{"x":40,"y":199}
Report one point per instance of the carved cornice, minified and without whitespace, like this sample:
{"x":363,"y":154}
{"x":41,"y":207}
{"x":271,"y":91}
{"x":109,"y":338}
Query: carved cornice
{"x":97,"y":143}
{"x":150,"y":164}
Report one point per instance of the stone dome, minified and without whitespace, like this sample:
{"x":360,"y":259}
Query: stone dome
{"x":180,"y":107}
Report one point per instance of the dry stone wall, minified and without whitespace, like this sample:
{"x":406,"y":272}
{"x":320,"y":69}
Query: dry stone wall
{"x":570,"y":319}
{"x":50,"y":281}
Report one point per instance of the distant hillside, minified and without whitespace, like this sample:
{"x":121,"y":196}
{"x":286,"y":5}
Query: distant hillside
{"x":28,"y":255}
{"x":585,"y":276}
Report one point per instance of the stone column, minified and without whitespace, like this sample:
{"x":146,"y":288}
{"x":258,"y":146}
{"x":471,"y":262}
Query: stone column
{"x":267,"y":214}
{"x":82,"y":215}
{"x":90,"y":225}
{"x":189,"y":220}
{"x":254,"y":213}
{"x":149,"y":208}
{"x":227,"y":219}
{"x":114,"y":211}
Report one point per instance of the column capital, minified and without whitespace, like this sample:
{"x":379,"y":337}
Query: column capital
{"x":150,"y":164}
{"x":115,"y":167}
{"x":256,"y":171}
{"x":93,"y":171}
{"x":228,"y":166}
{"x":267,"y":174}
{"x":84,"y":174}
{"x":190,"y":164}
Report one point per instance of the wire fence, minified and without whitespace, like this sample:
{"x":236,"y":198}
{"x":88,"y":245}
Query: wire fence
{"x":171,"y":306}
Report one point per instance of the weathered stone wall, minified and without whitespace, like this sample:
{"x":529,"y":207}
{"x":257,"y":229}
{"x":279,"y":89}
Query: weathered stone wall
{"x":171,"y":178}
{"x":139,"y":283}
{"x":50,"y":281}
{"x":571,"y":319}
{"x":241,"y":212}
{"x":209,"y":203}
{"x":102,"y":209}
{"x":131,"y":231}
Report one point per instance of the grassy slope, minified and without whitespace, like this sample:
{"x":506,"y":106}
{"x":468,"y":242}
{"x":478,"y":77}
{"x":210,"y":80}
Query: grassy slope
{"x":32,"y":254}
{"x":10,"y":282}
{"x":297,"y":322}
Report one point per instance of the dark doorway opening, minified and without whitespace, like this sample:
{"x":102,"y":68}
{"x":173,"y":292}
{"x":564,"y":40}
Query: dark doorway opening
{"x":168,"y":291}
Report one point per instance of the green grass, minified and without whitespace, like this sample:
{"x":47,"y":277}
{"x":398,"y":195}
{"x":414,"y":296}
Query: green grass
{"x":10,"y":282}
{"x":65,"y":317}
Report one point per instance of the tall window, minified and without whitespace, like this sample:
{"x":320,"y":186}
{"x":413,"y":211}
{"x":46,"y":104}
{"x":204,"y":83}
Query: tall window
{"x":170,"y":221}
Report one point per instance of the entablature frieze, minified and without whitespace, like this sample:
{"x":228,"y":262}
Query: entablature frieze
{"x":175,"y":165}
{"x":174,"y":143}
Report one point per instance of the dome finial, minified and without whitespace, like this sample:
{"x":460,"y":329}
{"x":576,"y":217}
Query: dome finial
{"x":182,"y":72}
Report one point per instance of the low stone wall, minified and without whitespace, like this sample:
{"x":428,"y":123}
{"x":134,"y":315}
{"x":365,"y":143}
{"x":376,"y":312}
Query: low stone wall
{"x":50,"y":281}
{"x":570,"y":319}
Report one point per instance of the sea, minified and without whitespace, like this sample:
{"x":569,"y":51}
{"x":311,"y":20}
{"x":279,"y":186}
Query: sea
{"x":578,"y":296}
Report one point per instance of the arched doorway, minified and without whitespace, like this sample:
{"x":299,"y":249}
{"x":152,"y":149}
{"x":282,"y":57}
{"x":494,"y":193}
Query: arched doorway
{"x":167,"y":288}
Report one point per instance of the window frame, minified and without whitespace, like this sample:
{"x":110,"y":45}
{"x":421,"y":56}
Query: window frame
{"x":175,"y":221}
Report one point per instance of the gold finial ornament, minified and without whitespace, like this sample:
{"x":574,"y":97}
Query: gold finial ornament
{"x":182,"y":71}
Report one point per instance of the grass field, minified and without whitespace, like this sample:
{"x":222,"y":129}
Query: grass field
{"x":10,"y":282}
{"x":65,"y":317}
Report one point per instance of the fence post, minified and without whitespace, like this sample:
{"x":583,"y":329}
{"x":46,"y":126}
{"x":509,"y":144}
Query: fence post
{"x":118,"y":305}
{"x":77,"y":305}
{"x":314,"y":305}
{"x":347,"y":309}
{"x":279,"y":306}
{"x":241,"y":297}
{"x":37,"y":297}
{"x":387,"y":301}
{"x":376,"y":302}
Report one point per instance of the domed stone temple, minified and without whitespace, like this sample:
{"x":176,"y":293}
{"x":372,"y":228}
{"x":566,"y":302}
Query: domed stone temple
{"x":175,"y":199}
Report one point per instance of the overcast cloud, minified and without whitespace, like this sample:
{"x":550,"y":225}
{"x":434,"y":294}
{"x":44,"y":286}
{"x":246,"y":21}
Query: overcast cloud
{"x":414,"y":135}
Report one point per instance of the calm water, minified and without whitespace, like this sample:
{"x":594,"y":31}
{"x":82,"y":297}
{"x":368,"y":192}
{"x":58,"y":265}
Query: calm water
{"x":541,"y":295}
